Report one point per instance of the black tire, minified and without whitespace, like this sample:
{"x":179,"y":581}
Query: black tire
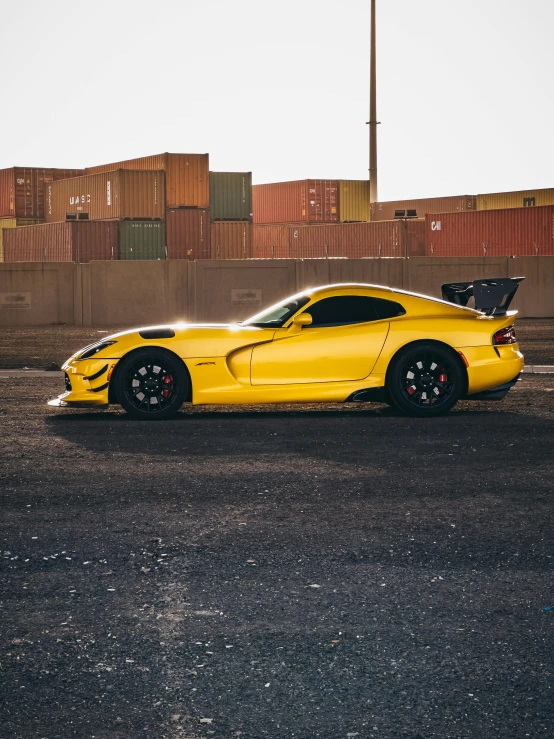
{"x":426,"y":379}
{"x":151,"y":384}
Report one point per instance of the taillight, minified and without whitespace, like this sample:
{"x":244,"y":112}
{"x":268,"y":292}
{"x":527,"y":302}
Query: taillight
{"x":505,"y":336}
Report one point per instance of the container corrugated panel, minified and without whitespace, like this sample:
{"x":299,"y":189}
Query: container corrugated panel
{"x":22,"y":189}
{"x":14,"y":223}
{"x":307,"y":201}
{"x":188,"y":233}
{"x":354,"y":201}
{"x":141,"y":240}
{"x":76,"y":241}
{"x":387,"y":211}
{"x":270,"y":242}
{"x":231,"y":196}
{"x":491,"y":233}
{"x":518,"y":199}
{"x":109,"y":195}
{"x":358,"y":240}
{"x":187,"y":176}
{"x":231,"y":240}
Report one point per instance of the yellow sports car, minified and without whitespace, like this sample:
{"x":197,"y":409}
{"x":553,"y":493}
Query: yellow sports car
{"x":338,"y":343}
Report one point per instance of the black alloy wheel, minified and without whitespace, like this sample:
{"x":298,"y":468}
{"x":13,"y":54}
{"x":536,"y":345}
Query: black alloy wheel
{"x":151,"y":384}
{"x":426,"y":379}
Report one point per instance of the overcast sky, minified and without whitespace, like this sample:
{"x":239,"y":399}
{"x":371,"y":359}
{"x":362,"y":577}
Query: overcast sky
{"x":464,"y":89}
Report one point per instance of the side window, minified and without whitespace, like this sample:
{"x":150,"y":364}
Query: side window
{"x":346,"y":309}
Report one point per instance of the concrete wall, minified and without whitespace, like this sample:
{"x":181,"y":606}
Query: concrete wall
{"x":130,"y":293}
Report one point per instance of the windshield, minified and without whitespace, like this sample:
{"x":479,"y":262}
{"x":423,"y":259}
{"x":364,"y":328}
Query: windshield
{"x":279,"y":314}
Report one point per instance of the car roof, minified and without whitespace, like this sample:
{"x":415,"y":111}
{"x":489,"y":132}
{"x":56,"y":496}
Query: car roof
{"x":385,"y":289}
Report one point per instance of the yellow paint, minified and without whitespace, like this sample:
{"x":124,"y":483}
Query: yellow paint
{"x":517,"y":199}
{"x":230,"y":363}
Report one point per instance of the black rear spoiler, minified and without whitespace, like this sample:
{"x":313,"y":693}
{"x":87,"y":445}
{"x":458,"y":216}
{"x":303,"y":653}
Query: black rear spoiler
{"x":491,"y":296}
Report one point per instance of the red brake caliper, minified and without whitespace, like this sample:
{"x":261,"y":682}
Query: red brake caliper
{"x":167,"y":393}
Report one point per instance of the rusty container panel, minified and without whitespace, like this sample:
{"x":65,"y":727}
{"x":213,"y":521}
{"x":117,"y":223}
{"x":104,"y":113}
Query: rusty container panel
{"x":306,"y":201}
{"x":270,"y":242}
{"x":388,"y":211}
{"x":22,"y":189}
{"x":354,"y":201}
{"x":109,"y":195}
{"x":188,"y":233}
{"x":491,"y":233}
{"x":231,"y":240}
{"x":187,"y":176}
{"x":76,"y":241}
{"x":141,"y":240}
{"x":231,"y":196}
{"x":518,"y":199}
{"x":14,"y":223}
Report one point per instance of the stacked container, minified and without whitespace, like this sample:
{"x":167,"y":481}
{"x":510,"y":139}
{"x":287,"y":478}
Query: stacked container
{"x":110,"y":195}
{"x":353,"y":240}
{"x":518,"y":199}
{"x":354,"y":203}
{"x":231,"y":240}
{"x":387,"y":211}
{"x":488,"y":233}
{"x":231,"y":196}
{"x":14,"y":223}
{"x":22,"y":190}
{"x":77,"y":241}
{"x":188,"y":233}
{"x":302,"y":201}
{"x":141,"y":240}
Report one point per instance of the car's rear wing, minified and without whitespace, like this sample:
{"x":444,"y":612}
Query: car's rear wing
{"x":491,"y":296}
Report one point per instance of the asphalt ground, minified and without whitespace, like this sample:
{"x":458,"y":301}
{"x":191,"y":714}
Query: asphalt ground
{"x":333,"y":571}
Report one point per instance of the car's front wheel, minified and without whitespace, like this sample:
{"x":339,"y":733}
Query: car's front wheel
{"x":151,"y":384}
{"x":426,"y":379}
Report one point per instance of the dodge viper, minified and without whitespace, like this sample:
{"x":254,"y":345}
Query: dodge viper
{"x":337,"y":343}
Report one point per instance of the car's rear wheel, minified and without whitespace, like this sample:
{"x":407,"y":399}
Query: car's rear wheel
{"x":151,"y":384}
{"x":426,"y":379}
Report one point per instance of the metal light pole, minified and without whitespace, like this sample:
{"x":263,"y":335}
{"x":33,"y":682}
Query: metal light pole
{"x":373,"y":123}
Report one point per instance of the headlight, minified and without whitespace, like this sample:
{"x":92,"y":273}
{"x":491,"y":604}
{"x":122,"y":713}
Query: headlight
{"x":90,"y":351}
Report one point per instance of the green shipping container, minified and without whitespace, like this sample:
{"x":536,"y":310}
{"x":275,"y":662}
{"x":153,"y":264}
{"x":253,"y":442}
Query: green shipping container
{"x":231,"y":196}
{"x":141,"y":240}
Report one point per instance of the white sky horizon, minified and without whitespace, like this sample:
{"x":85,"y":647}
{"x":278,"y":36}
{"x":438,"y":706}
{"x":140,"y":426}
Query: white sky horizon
{"x":463,"y":90}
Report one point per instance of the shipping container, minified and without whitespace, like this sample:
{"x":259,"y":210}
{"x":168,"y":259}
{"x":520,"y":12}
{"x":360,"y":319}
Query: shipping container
{"x":14,"y":223}
{"x":491,"y":233}
{"x":306,"y":201}
{"x":231,"y":196}
{"x":231,"y":240}
{"x":354,"y":201}
{"x":188,"y":233}
{"x":518,"y":199}
{"x":141,"y":240}
{"x":22,"y":189}
{"x":270,"y":242}
{"x":77,"y":241}
{"x":187,"y":176}
{"x":109,"y":195}
{"x":351,"y":240}
{"x":387,"y":211}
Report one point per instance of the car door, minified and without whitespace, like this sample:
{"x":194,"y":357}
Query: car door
{"x":342,"y":344}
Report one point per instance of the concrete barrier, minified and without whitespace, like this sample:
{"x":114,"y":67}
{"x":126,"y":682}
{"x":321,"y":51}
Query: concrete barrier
{"x":149,"y":292}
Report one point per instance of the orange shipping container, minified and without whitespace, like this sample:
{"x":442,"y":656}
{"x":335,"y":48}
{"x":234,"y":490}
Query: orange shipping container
{"x":119,"y":194}
{"x":77,"y":241}
{"x":270,"y":242}
{"x":187,"y":176}
{"x":231,"y":240}
{"x":387,"y":211}
{"x":22,"y":189}
{"x":188,"y":233}
{"x":306,"y":201}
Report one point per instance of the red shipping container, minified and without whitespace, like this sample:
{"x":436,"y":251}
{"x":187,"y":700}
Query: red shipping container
{"x":22,"y":189}
{"x":73,"y":241}
{"x":389,"y":210}
{"x":491,"y":233}
{"x":188,"y":233}
{"x":305,"y":201}
{"x":231,"y":240}
{"x":270,"y":242}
